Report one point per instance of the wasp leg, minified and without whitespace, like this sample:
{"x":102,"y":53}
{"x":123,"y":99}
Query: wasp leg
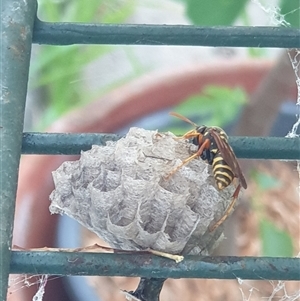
{"x":228,"y":210}
{"x":204,"y":146}
{"x":180,"y":165}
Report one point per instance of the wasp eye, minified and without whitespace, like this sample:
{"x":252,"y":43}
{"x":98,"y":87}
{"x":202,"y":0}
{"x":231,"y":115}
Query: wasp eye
{"x":201,"y":129}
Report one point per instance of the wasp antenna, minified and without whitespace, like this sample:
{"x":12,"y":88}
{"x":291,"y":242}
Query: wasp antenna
{"x":183,"y":118}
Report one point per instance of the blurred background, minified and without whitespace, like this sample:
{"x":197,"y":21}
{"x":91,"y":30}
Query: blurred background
{"x":107,"y":88}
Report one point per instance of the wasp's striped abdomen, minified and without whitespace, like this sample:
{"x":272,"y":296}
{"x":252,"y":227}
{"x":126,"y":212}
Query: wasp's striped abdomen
{"x":213,"y":147}
{"x":222,"y":172}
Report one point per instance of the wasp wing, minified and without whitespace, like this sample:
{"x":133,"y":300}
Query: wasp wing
{"x":229,"y":156}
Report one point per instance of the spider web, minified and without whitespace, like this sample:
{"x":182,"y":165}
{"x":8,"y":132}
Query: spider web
{"x":294,"y":57}
{"x":277,"y":19}
{"x":19,"y":282}
{"x":279,"y":290}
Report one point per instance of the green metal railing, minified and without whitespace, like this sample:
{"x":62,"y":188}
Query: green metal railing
{"x":184,"y":35}
{"x":149,"y":266}
{"x":17,"y":19}
{"x":20,"y":29}
{"x":244,"y":147}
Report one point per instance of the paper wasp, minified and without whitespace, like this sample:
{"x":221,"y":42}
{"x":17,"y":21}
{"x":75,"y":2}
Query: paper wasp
{"x":214,"y":148}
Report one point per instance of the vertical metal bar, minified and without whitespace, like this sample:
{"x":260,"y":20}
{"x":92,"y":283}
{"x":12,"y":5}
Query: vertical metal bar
{"x":17,"y":19}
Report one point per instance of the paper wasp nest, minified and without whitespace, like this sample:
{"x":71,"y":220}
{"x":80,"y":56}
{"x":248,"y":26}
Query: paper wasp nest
{"x":119,"y":191}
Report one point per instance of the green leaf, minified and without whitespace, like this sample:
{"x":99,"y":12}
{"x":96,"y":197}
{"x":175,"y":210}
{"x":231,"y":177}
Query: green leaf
{"x":214,"y":12}
{"x":275,"y":242}
{"x":56,"y":69}
{"x":123,"y":11}
{"x":290,"y":9}
{"x":215,"y":106}
{"x":266,"y":181}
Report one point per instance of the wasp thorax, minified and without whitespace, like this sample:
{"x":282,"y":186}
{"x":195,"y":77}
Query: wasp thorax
{"x":119,"y":191}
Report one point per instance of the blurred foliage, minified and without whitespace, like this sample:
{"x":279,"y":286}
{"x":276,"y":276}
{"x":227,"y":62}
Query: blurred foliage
{"x":265,"y":181}
{"x":57,"y":69}
{"x":275,"y":242}
{"x":225,"y":12}
{"x":210,"y":107}
{"x":215,"y":106}
{"x":212,"y":13}
{"x":290,"y":9}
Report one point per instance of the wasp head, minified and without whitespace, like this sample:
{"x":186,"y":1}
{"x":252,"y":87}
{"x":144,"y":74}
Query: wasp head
{"x":201,"y":129}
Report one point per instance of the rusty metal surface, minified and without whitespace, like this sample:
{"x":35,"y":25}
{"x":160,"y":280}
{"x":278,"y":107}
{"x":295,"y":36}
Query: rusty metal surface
{"x":150,"y":266}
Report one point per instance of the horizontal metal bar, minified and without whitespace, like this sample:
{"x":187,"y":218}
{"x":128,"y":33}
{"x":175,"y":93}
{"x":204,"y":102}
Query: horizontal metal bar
{"x":150,"y":266}
{"x":237,"y":36}
{"x":266,"y":147}
{"x":63,"y":144}
{"x":244,"y":147}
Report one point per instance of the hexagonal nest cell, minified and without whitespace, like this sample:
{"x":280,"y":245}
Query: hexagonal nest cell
{"x":123,"y":193}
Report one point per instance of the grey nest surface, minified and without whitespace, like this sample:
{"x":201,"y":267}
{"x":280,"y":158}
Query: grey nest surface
{"x":121,"y":192}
